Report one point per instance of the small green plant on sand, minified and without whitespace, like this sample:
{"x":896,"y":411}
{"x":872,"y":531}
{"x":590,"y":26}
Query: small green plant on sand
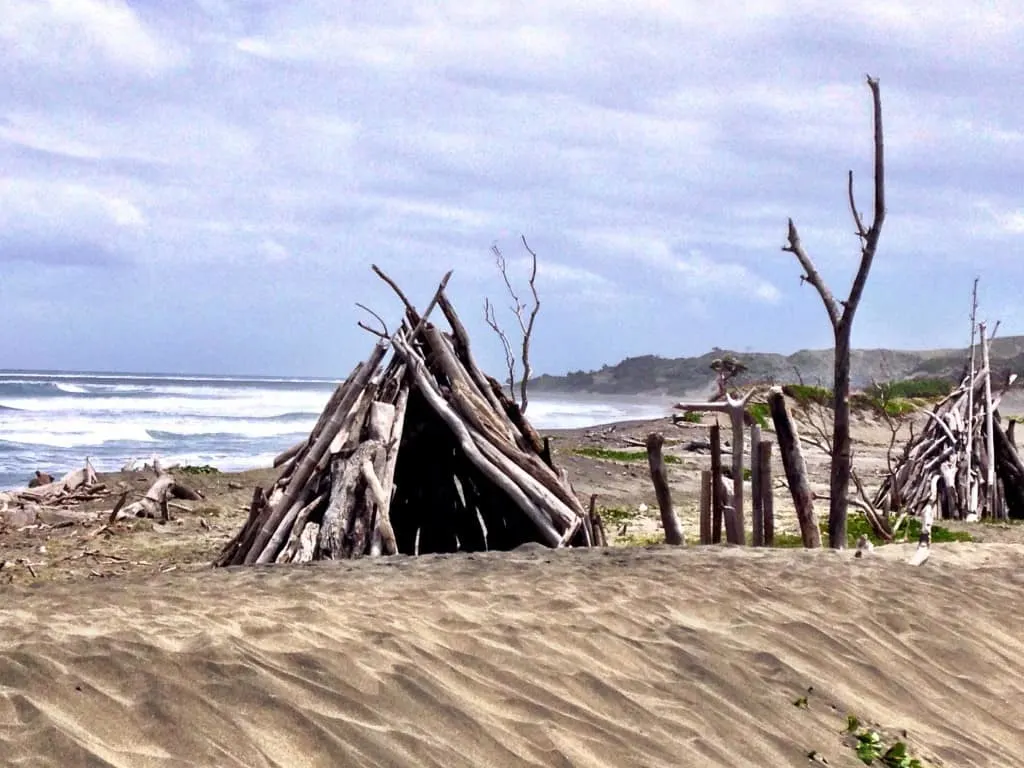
{"x":204,"y":469}
{"x":612,"y":455}
{"x":693,"y":417}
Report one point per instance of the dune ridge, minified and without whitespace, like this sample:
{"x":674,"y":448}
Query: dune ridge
{"x":655,"y":657}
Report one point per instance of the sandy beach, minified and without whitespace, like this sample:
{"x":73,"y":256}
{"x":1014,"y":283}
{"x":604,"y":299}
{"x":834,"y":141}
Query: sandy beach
{"x":638,"y":657}
{"x":120,"y":645}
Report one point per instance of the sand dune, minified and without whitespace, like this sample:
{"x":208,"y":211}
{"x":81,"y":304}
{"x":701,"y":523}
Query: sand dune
{"x":616,"y":658}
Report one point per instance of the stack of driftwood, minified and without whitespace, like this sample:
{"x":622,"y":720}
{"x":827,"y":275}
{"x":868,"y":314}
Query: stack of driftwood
{"x":422,"y":454}
{"x":948,"y":463}
{"x":24,"y":505}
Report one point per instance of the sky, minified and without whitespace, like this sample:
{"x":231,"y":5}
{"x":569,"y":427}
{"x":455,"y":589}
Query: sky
{"x":202,"y":186}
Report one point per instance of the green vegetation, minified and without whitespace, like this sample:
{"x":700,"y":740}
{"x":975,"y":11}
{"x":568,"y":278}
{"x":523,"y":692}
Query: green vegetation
{"x":858,"y":524}
{"x":693,"y":417}
{"x":759,"y":414}
{"x":204,"y":469}
{"x":618,"y":515}
{"x":909,"y":389}
{"x":806,"y":395}
{"x":870,"y":747}
{"x":611,"y":455}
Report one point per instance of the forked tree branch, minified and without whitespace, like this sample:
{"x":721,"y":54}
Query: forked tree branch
{"x":510,"y":359}
{"x":841,"y":313}
{"x":525,"y":322}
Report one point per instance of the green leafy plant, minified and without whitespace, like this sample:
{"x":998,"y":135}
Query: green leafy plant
{"x":759,"y":414}
{"x":612,"y":455}
{"x":693,"y":417}
{"x":204,"y":469}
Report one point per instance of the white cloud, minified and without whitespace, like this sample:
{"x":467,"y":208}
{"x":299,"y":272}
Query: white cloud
{"x":27,"y":204}
{"x":70,"y":34}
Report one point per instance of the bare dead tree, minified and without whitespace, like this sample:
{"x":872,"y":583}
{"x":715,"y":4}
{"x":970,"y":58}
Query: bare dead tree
{"x":525,"y":321}
{"x":841,"y":314}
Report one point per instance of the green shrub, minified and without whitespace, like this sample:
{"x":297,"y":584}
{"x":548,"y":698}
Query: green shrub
{"x":805,"y":394}
{"x":611,"y":455}
{"x":925,"y":388}
{"x":693,"y":417}
{"x":759,"y":414}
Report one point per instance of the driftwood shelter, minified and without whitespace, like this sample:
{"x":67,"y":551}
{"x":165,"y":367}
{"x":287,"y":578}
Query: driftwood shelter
{"x":417,"y":453}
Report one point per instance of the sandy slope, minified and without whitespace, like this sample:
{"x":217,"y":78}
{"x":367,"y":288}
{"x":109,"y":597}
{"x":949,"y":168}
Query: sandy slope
{"x":635,"y":657}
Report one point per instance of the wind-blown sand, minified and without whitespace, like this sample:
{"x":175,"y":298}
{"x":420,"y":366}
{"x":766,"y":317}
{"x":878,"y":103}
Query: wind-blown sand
{"x":619,"y":657}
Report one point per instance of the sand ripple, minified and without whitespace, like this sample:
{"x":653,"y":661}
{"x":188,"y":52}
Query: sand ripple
{"x":642,"y":658}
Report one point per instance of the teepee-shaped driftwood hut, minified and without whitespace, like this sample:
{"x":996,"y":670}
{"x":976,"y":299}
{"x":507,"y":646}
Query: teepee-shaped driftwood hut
{"x":420,"y":453}
{"x":946,"y":465}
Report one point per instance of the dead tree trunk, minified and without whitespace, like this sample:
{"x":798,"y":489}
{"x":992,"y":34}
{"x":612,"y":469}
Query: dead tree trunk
{"x":673,"y":531}
{"x":796,"y":469}
{"x":764,"y":462}
{"x":841,"y":314}
{"x":717,"y":497}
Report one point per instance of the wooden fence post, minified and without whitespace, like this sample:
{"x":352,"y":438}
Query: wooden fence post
{"x":717,"y":500}
{"x":673,"y":531}
{"x":705,"y":506}
{"x":766,"y":492}
{"x":756,"y":498}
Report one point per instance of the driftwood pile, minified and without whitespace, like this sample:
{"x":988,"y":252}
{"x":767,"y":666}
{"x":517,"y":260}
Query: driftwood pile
{"x":424,"y":453}
{"x":24,"y":505}
{"x":947,"y":464}
{"x":58,"y":500}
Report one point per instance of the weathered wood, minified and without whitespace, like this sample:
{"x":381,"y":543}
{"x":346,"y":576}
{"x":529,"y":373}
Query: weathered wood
{"x":735,"y":409}
{"x":316,"y":451}
{"x":154,"y":503}
{"x":656,"y":463}
{"x":796,"y":469}
{"x":384,"y":533}
{"x":338,"y":517}
{"x":705,"y":506}
{"x":1010,"y":469}
{"x":294,"y":520}
{"x":717,"y":499}
{"x":307,"y":543}
{"x":990,"y":472}
{"x":469,"y":447}
{"x":600,"y":535}
{"x":766,"y":492}
{"x":756,"y":499}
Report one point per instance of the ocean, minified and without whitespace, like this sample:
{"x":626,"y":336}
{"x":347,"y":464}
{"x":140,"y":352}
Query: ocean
{"x":52,"y":421}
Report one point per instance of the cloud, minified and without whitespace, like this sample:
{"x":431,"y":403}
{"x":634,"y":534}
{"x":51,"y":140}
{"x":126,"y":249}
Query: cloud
{"x":651,"y":153}
{"x":72,"y":34}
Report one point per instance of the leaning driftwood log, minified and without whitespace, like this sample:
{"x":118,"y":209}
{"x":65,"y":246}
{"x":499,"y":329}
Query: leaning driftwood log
{"x":418,"y":453}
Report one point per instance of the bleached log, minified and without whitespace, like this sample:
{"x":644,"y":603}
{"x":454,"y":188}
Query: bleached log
{"x":383,"y":540}
{"x":345,"y":474}
{"x":307,"y":543}
{"x":990,"y":475}
{"x":154,"y":503}
{"x":756,"y":502}
{"x":289,"y":453}
{"x":656,"y":462}
{"x":796,"y":469}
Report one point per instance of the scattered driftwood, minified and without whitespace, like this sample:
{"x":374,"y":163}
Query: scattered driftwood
{"x":952,"y":450}
{"x":418,"y":453}
{"x":75,"y":487}
{"x":155,"y":504}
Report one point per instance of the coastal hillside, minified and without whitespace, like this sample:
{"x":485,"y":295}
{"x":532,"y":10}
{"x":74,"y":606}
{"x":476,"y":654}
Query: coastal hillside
{"x":654,"y":374}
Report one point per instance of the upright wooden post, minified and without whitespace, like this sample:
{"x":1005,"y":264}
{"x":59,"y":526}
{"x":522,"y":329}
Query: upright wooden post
{"x":796,"y":469}
{"x":705,"y":506}
{"x":673,"y":531}
{"x":756,"y":503}
{"x":990,"y":470}
{"x":765,"y":491}
{"x":717,"y":500}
